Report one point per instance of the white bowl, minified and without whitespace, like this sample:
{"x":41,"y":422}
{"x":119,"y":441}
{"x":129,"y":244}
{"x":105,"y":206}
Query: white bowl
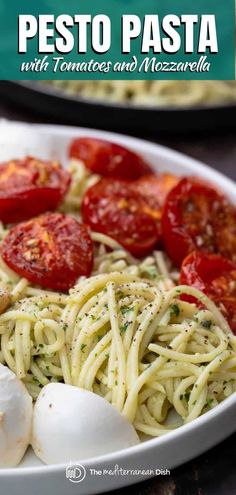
{"x":101,"y":474}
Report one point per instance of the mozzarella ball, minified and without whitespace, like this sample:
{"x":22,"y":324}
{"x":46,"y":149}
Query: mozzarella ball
{"x":71,"y":424}
{"x":15,"y":418}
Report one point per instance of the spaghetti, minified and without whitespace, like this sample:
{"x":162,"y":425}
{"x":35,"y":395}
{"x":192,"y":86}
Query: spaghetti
{"x":141,"y":347}
{"x":126,"y":333}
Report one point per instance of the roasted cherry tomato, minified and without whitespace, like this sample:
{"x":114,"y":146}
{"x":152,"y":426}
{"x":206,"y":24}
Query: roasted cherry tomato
{"x":197,"y":217}
{"x":216,"y":277}
{"x":154,"y":189}
{"x":108,"y":159}
{"x":113,"y":208}
{"x":52,"y":250}
{"x":29,"y":187}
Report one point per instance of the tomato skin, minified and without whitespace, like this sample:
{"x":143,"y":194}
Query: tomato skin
{"x":29,"y":187}
{"x":108,"y":159}
{"x":155,"y":188}
{"x":113,"y":208}
{"x":216,"y":277}
{"x":198,"y":217}
{"x":51,"y":250}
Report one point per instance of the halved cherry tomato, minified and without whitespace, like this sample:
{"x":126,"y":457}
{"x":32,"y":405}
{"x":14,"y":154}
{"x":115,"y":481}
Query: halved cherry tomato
{"x":216,"y":277}
{"x":51,"y":250}
{"x":113,"y":208}
{"x":29,"y":187}
{"x":197,"y":217}
{"x":154,"y":189}
{"x":108,"y":159}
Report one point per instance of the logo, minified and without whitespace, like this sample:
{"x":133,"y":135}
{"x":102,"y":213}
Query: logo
{"x":75,"y":473}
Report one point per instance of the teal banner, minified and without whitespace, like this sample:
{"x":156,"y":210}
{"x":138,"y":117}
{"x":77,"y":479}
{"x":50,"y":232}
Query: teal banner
{"x":117,"y":39}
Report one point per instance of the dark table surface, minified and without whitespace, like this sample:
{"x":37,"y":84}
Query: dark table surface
{"x":213,"y":473}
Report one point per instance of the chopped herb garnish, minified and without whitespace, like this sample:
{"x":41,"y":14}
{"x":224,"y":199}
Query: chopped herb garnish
{"x":82,"y":347}
{"x":209,"y":402}
{"x":152,"y":272}
{"x":125,"y":309}
{"x":124,"y":327}
{"x":175,"y":311}
{"x":119,"y":294}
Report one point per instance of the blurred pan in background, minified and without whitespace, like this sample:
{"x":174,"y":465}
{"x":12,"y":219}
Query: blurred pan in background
{"x":143,"y":107}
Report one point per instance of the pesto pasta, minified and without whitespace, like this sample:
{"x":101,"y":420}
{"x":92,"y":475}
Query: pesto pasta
{"x":132,"y":341}
{"x":126,"y":333}
{"x":153,"y":93}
